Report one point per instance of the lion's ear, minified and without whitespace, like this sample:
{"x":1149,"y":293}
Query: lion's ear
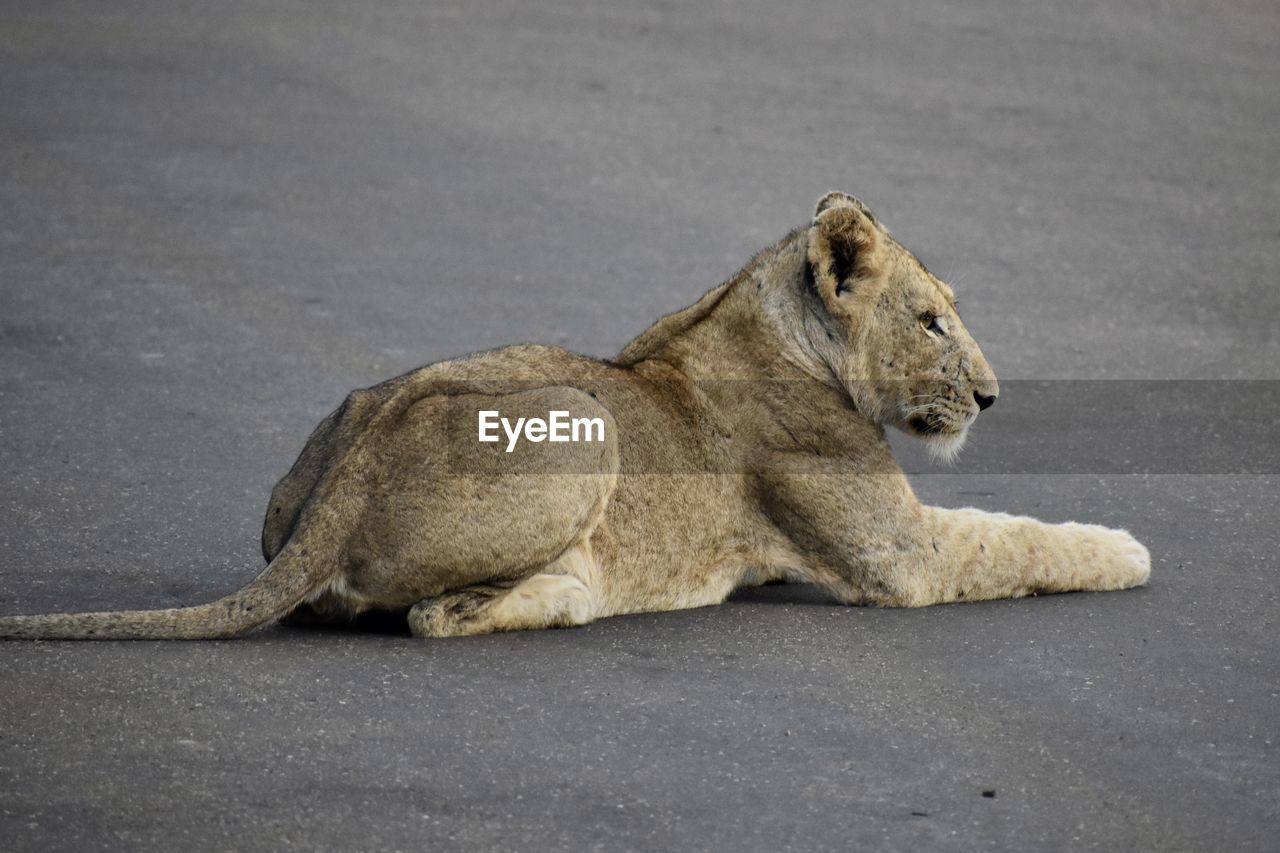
{"x":844,"y":244}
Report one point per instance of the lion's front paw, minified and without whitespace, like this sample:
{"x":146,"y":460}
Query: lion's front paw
{"x":1113,"y":558}
{"x":1137,"y":557}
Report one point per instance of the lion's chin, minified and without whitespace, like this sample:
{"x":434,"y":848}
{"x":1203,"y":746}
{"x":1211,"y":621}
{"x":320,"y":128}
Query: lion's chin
{"x":944,"y":445}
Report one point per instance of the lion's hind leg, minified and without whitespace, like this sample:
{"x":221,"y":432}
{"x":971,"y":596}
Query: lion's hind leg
{"x":561,"y":596}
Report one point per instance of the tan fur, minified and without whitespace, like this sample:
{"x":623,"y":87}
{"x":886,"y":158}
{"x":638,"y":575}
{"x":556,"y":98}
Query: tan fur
{"x":744,"y":442}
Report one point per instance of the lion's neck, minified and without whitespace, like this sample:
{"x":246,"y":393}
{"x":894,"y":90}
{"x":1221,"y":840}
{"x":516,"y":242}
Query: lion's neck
{"x":750,"y":353}
{"x":750,"y":328}
{"x":745,"y":353}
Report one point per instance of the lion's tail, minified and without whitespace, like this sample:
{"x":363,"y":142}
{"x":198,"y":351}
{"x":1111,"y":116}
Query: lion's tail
{"x":307,"y":562}
{"x":289,"y":579}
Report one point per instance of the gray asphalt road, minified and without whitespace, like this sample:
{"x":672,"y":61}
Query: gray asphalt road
{"x":215,"y":219}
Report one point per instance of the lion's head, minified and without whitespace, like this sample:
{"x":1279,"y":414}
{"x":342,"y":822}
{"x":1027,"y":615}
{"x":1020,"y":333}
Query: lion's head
{"x":889,"y":330}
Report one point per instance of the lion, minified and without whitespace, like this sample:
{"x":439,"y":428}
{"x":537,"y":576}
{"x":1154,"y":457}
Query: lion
{"x":743,"y":441}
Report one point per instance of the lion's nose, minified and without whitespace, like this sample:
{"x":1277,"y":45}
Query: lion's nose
{"x":984,"y":401}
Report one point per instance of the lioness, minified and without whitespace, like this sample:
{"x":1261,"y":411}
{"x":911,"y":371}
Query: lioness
{"x":742,"y":441}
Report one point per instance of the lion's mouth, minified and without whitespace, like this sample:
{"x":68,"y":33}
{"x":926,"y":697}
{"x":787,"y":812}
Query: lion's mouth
{"x":927,"y":425}
{"x":931,"y":424}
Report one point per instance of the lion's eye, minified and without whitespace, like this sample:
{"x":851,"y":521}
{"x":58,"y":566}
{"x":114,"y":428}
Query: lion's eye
{"x":929,"y":322}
